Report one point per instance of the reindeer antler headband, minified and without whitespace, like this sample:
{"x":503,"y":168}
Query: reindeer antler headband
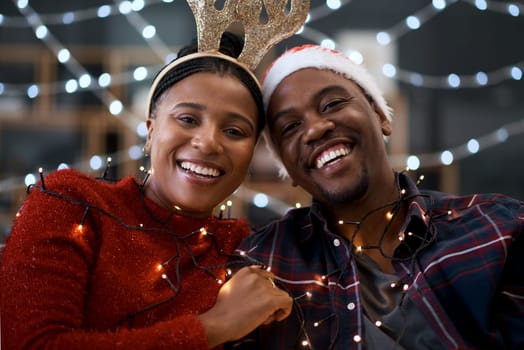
{"x":258,"y":37}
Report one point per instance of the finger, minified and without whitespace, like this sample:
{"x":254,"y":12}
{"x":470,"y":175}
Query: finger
{"x":282,"y":314}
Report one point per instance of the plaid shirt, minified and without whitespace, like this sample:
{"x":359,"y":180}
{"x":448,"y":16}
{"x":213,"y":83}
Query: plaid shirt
{"x":466,"y":279}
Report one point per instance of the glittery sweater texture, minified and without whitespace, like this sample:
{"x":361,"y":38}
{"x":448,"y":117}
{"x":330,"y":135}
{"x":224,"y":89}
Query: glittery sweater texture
{"x":100,"y":285}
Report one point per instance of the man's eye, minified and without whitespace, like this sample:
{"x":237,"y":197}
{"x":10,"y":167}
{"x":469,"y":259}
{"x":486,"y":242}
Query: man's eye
{"x":287,"y":128}
{"x":332,"y":105}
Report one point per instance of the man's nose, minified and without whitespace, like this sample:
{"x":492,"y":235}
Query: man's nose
{"x":316,"y":127}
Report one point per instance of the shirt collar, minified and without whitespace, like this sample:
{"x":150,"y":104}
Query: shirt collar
{"x":416,"y":211}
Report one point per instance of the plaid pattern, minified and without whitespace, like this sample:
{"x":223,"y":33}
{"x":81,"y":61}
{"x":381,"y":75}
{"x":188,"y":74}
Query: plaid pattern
{"x":467,"y":280}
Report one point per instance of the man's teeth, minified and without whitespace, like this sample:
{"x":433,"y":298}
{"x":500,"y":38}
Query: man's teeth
{"x":330,"y":155}
{"x":200,"y":170}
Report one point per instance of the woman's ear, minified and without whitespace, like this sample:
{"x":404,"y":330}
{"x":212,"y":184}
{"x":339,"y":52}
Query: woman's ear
{"x":150,"y":127}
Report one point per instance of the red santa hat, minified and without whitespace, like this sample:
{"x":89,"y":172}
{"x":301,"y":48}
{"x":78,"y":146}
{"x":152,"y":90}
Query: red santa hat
{"x":314,"y":56}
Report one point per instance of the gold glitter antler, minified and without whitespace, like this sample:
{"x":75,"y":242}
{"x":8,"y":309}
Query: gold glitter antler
{"x":259,"y":37}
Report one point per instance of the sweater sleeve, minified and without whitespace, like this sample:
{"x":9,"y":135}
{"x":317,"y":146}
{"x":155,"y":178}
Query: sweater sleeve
{"x":44,"y":278}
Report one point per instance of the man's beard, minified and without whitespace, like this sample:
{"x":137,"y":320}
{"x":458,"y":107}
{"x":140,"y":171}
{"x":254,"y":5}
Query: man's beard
{"x":350,"y":194}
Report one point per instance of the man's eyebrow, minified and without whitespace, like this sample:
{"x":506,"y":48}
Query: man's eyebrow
{"x":329,"y":89}
{"x":324,"y":91}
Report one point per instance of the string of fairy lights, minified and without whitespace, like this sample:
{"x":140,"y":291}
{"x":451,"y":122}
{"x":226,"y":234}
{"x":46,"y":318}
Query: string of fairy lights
{"x":83,"y":81}
{"x":219,"y":272}
{"x":315,"y":288}
{"x":86,"y":82}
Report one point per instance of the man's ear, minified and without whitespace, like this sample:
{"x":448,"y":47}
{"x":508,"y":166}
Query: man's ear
{"x":385,"y":124}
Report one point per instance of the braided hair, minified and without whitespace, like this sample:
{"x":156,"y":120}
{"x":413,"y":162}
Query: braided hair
{"x":230,"y":45}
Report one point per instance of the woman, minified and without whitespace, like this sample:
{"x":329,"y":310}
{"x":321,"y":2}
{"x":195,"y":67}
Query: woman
{"x":95,"y":265}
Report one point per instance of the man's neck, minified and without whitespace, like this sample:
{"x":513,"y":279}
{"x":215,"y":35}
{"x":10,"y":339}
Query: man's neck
{"x":373,"y":224}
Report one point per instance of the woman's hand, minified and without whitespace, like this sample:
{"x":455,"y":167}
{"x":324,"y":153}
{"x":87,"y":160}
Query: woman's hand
{"x":248,"y":300}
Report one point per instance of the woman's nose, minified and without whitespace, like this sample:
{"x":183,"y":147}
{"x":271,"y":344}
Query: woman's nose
{"x":207,"y":141}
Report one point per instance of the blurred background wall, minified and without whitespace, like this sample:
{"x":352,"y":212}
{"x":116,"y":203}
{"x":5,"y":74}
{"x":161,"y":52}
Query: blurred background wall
{"x":74,"y":74}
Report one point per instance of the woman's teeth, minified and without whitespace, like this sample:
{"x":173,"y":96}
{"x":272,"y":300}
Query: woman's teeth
{"x":200,"y":170}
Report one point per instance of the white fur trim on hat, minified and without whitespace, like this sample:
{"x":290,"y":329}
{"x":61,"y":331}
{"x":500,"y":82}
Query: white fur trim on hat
{"x":314,"y":56}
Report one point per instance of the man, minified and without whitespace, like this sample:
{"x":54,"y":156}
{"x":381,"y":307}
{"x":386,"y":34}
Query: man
{"x":375,"y":263}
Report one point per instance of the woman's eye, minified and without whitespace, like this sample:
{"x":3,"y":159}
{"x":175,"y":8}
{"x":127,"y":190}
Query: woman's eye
{"x":234,"y":132}
{"x":187,"y":119}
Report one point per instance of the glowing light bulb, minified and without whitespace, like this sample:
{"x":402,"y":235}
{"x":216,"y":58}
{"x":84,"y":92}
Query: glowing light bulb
{"x":413,"y":22}
{"x":413,"y":163}
{"x":389,"y":215}
{"x":116,"y":107}
{"x":63,"y":55}
{"x":383,"y":38}
{"x":159,"y":267}
{"x":79,"y":228}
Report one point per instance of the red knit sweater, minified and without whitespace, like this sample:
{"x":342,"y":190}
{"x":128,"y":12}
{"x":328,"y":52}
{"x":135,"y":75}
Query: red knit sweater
{"x":70,"y":287}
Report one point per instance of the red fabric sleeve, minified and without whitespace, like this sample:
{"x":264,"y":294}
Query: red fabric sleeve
{"x":44,"y":275}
